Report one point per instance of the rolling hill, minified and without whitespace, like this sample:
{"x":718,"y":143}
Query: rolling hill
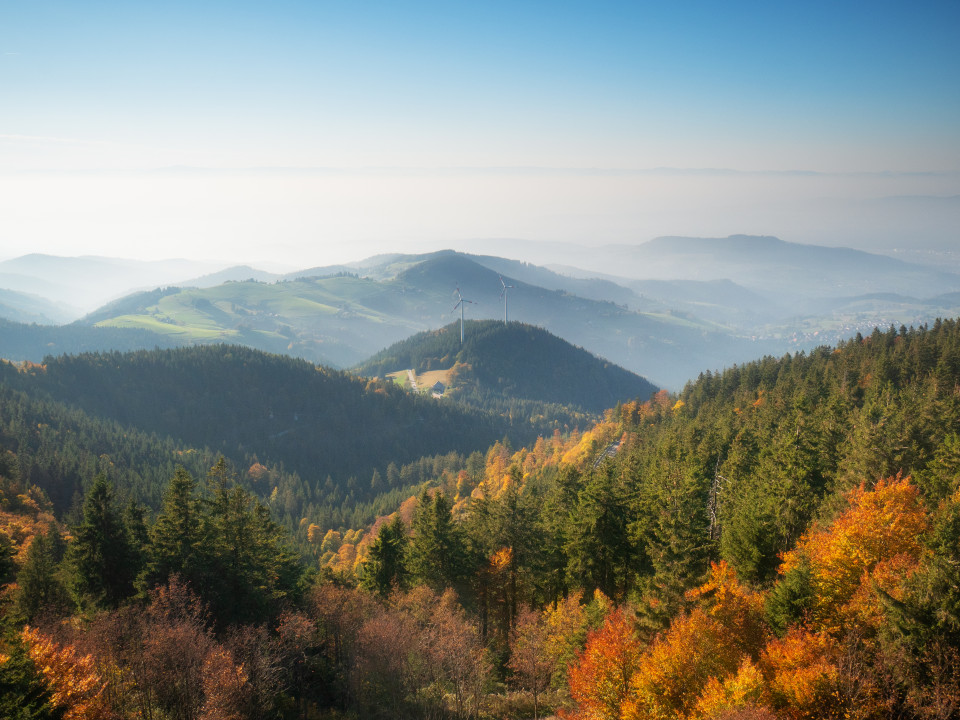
{"x":513,"y":362}
{"x":253,"y":406}
{"x":749,"y":296}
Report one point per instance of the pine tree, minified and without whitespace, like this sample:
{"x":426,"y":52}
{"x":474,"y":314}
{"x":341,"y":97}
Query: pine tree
{"x":437,"y":555}
{"x":384,"y":569}
{"x":101,"y":556}
{"x":40,"y":588}
{"x":176,"y":539}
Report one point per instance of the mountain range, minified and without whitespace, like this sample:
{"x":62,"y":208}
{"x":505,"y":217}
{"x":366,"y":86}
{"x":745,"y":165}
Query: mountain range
{"x":667,"y":309}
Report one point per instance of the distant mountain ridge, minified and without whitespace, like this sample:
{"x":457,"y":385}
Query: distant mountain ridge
{"x":343,"y":318}
{"x":87,"y":282}
{"x":31,"y":308}
{"x":771,"y":265}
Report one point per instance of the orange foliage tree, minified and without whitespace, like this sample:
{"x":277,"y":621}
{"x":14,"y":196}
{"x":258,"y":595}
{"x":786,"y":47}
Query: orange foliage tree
{"x":802,"y":675}
{"x":708,"y":652}
{"x":879,"y":525}
{"x":600,"y":679}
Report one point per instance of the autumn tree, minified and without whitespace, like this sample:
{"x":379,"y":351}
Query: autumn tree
{"x":600,"y":678}
{"x":878,"y":525}
{"x":720,"y":636}
{"x":529,"y":658}
{"x":72,"y":678}
{"x":24,"y":692}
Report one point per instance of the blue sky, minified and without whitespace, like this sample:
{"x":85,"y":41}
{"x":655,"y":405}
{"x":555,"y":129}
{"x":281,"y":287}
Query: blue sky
{"x":389,"y":97}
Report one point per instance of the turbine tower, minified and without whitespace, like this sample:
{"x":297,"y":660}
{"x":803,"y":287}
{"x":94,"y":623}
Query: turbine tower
{"x":503,"y":295}
{"x":460,"y":303}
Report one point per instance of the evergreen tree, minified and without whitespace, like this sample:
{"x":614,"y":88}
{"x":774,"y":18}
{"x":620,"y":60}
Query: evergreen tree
{"x":101,"y":556}
{"x":438,"y":554}
{"x":249,"y":569}
{"x":677,"y":541}
{"x":176,"y":539}
{"x":40,"y":589}
{"x":599,"y":549}
{"x":385,"y":567}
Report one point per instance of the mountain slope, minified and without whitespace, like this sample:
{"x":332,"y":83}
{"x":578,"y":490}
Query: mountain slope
{"x":236,"y":400}
{"x":515,"y":361}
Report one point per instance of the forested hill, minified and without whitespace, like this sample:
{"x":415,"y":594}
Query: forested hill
{"x":515,"y":361}
{"x":782,"y":539}
{"x":243,"y":402}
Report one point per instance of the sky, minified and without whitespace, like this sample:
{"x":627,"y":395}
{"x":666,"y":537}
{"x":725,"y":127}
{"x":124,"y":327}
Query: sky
{"x":306,"y":133}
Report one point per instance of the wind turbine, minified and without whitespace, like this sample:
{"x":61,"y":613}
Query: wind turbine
{"x":503,"y":294}
{"x":460,"y":304}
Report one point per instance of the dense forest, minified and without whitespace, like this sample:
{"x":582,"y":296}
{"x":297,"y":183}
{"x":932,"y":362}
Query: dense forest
{"x":778,"y":540}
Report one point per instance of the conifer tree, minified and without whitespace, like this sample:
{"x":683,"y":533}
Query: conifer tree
{"x":437,"y":554}
{"x":40,"y":588}
{"x":385,"y":567}
{"x":176,"y":539}
{"x":101,"y":556}
{"x":599,"y":550}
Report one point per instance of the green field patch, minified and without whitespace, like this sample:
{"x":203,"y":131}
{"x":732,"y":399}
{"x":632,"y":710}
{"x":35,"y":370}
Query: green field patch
{"x":163,"y":327}
{"x":293,"y":305}
{"x":400,"y":378}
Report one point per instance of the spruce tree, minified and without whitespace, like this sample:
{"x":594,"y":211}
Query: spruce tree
{"x":599,"y":549}
{"x":176,"y":539}
{"x":438,"y":554}
{"x":40,"y":589}
{"x":101,"y":555}
{"x":385,"y":567}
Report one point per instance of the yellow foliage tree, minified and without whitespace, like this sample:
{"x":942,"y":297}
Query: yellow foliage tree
{"x":73,"y":679}
{"x":702,"y":653}
{"x":744,"y":689}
